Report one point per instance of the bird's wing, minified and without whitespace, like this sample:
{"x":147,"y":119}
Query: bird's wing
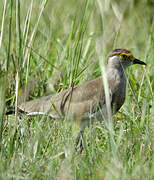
{"x":76,"y":101}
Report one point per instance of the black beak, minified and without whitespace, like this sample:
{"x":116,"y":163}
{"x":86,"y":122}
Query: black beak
{"x":137,"y":61}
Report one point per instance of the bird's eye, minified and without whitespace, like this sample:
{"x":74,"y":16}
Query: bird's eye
{"x":124,"y":56}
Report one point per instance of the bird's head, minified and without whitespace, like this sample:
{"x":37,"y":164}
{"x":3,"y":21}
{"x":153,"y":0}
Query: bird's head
{"x":122,"y":57}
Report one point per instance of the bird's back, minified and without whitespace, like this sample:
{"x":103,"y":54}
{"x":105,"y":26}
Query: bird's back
{"x":76,"y":101}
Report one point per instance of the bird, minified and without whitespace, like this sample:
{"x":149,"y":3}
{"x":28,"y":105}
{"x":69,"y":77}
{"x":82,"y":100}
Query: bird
{"x":86,"y":102}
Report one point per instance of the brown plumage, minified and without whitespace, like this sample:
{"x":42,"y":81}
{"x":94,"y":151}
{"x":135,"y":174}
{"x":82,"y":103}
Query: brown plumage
{"x":87,"y":101}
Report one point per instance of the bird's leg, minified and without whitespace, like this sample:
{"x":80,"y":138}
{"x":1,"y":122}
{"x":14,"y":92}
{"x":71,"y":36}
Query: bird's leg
{"x":79,"y":141}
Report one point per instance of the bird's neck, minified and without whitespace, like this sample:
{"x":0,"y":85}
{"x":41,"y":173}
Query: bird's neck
{"x":116,"y":75}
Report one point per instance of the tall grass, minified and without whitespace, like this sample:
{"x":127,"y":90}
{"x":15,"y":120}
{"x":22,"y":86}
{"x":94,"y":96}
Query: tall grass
{"x":58,"y":44}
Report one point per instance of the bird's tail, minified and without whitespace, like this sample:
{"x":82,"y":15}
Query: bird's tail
{"x":12,"y":109}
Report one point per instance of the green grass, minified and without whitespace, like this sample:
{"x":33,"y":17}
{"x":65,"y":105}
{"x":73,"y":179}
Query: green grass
{"x":60,"y":43}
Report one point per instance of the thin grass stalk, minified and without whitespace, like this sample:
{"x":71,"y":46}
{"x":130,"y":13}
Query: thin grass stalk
{"x":27,"y":26}
{"x":13,"y":137}
{"x":16,"y":92}
{"x":149,"y":44}
{"x":44,"y":59}
{"x":70,"y":54}
{"x":10,"y":37}
{"x":133,"y":92}
{"x":3,"y":20}
{"x":87,"y":46}
{"x":2,"y":106}
{"x":142,"y":80}
{"x":18,"y":28}
{"x":2,"y":79}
